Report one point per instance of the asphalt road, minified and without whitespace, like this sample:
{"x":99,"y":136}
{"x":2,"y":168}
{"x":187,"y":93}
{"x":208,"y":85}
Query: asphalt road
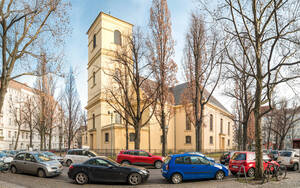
{"x":155,"y":180}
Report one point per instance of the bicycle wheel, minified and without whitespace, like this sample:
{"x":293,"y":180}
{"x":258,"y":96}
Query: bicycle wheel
{"x":280,"y":172}
{"x":266,"y":175}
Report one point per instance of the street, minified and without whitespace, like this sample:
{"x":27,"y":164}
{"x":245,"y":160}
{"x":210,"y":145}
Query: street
{"x":155,"y":180}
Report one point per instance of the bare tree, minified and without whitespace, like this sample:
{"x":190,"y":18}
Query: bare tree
{"x":202,"y":63}
{"x":285,"y":119}
{"x":130,"y":97}
{"x":24,"y":26}
{"x":16,"y":110}
{"x":268,"y":31}
{"x":161,"y":48}
{"x":72,"y":107}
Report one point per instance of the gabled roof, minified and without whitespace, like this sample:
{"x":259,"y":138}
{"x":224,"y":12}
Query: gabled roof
{"x":178,"y":92}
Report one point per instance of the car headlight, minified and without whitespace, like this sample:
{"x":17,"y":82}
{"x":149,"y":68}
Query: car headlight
{"x":143,"y":172}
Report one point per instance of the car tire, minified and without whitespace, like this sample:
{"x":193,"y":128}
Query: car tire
{"x":134,"y":179}
{"x":68,"y":162}
{"x":176,"y":178}
{"x":295,"y":167}
{"x":158,"y":164}
{"x":220,"y":175}
{"x":233,"y":173}
{"x":81,"y":178}
{"x":125,"y":163}
{"x":13,"y":169}
{"x":251,"y":172}
{"x":41,"y":173}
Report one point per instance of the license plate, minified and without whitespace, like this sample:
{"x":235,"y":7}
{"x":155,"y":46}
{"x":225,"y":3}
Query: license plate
{"x":234,"y":166}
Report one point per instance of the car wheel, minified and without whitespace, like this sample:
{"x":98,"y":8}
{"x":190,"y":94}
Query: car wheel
{"x":295,"y":167}
{"x":13,"y":170}
{"x":81,"y":178}
{"x":125,"y":163}
{"x":176,"y":178}
{"x":220,"y":175}
{"x":134,"y":179}
{"x":69,"y":162}
{"x":158,"y":164}
{"x":251,"y":172}
{"x":41,"y":173}
{"x":233,"y":173}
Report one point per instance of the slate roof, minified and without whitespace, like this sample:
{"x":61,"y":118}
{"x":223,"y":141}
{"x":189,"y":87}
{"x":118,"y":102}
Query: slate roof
{"x":179,"y":89}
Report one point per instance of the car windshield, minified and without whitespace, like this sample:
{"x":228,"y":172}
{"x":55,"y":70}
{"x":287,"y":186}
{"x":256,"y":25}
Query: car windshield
{"x":112,"y":161}
{"x":167,"y":160}
{"x":286,"y":154}
{"x":239,"y":156}
{"x":274,"y":152}
{"x":41,"y":157}
{"x":49,"y":153}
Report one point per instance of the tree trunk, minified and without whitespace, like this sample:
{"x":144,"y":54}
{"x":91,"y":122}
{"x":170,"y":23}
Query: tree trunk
{"x":281,"y":143}
{"x":30,"y":138}
{"x":163,"y":127}
{"x":126,"y":130}
{"x":137,"y":137}
{"x":245,"y":135}
{"x":268,"y":138}
{"x":3,"y":89}
{"x":17,"y":139}
{"x":50,"y":138}
{"x":41,"y":140}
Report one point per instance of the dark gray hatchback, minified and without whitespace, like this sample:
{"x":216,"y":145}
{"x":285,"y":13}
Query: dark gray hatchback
{"x":35,"y":163}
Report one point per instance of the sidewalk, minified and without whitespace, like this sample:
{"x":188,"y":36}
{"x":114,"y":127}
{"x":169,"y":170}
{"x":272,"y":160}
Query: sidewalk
{"x":9,"y":185}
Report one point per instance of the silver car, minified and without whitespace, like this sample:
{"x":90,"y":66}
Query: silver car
{"x":35,"y":163}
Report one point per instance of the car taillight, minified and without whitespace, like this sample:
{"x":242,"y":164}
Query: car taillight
{"x":71,"y":167}
{"x":291,"y":162}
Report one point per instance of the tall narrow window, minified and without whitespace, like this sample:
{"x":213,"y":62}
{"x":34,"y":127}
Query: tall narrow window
{"x":228,"y":142}
{"x":211,"y":121}
{"x":94,"y":78}
{"x":118,"y":118}
{"x":228,"y":128}
{"x":117,"y":37}
{"x":93,"y":121}
{"x":131,"y":137}
{"x":94,"y":41}
{"x":211,"y":140}
{"x":187,"y":123}
{"x":221,"y":126}
{"x":188,"y":139}
{"x":106,"y":137}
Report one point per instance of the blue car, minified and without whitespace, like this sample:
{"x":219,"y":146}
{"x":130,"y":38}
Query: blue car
{"x":180,"y":167}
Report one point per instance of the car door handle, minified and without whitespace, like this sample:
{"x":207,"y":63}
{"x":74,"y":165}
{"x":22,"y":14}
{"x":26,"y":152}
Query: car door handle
{"x":193,"y":167}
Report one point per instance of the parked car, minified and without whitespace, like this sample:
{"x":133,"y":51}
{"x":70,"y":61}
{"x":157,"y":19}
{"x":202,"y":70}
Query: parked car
{"x":198,"y":153}
{"x":179,"y":167}
{"x":139,"y":157}
{"x":290,"y":159}
{"x":224,"y":159}
{"x":103,"y":169}
{"x":5,"y":157}
{"x":247,"y":159}
{"x":78,"y":156}
{"x":274,"y":154}
{"x":35,"y":163}
{"x":53,"y":156}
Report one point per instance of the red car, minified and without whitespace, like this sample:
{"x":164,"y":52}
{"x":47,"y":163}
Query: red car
{"x":139,"y":157}
{"x":248,"y":160}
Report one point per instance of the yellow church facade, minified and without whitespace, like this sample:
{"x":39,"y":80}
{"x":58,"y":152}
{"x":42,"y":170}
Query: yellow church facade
{"x":106,"y":130}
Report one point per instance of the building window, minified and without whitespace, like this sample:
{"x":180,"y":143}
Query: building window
{"x":94,"y":78}
{"x":188,"y":139}
{"x":117,"y":37}
{"x":131,"y":137}
{"x":93,"y":121}
{"x":9,"y":134}
{"x":106,"y":137}
{"x":9,"y":121}
{"x":161,"y":139}
{"x":228,"y":142}
{"x":15,"y":134}
{"x":118,"y":118}
{"x":94,"y":41}
{"x":211,"y":140}
{"x":187,"y":123}
{"x":228,"y":128}
{"x":221,"y":126}
{"x":26,"y":135}
{"x":211,"y":121}
{"x":1,"y":132}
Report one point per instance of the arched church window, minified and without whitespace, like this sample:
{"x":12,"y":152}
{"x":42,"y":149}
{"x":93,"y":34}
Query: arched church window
{"x":117,"y":37}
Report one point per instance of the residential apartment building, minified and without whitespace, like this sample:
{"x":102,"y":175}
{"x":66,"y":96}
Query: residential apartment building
{"x":106,"y":131}
{"x":16,"y":96}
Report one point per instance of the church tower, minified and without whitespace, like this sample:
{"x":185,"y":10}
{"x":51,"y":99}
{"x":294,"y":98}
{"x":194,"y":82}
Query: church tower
{"x":104,"y":35}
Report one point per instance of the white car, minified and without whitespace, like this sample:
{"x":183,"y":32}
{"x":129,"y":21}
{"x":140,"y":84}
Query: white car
{"x":289,"y":158}
{"x":78,"y":156}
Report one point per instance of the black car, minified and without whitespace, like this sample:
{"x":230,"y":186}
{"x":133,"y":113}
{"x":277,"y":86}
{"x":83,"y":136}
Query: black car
{"x":103,"y":169}
{"x":225,"y":158}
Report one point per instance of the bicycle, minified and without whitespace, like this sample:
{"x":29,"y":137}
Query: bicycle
{"x":272,"y":170}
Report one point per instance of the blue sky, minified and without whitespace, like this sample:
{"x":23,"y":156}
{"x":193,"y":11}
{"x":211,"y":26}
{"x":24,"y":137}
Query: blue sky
{"x":134,"y":11}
